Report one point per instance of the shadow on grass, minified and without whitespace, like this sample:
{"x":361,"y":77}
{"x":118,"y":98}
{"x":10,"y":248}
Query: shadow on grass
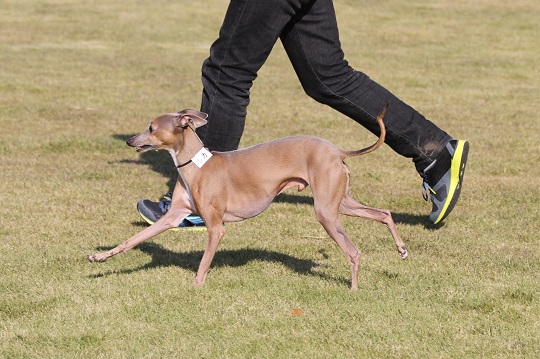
{"x":158,"y":161}
{"x":162,"y":257}
{"x":415,"y":220}
{"x":294,"y":199}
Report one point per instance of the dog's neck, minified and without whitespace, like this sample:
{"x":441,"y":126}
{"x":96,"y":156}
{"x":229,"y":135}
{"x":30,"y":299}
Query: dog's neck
{"x":191,"y":145}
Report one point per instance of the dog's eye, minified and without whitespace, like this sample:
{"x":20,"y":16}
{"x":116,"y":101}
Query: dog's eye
{"x":150,"y":129}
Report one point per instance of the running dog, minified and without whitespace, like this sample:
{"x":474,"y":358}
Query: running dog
{"x":232,"y":186}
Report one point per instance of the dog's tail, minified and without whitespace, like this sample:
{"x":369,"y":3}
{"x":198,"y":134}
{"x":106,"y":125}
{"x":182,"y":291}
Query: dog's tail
{"x":377,"y":144}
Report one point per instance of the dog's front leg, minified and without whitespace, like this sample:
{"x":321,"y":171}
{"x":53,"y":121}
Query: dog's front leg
{"x":171,"y":219}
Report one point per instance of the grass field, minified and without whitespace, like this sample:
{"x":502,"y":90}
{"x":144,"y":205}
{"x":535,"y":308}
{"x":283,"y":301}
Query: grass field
{"x":77,"y":78}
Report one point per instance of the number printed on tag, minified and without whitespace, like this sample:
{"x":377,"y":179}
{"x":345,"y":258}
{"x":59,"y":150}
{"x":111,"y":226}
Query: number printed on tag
{"x":201,"y":157}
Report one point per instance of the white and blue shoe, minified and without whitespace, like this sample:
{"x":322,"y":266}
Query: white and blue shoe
{"x":152,"y":211}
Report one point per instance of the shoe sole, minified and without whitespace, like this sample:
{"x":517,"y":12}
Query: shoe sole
{"x":457,"y":171}
{"x":191,"y":228}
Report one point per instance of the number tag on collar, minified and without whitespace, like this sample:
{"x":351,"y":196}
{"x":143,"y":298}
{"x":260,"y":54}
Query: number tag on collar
{"x":201,"y":157}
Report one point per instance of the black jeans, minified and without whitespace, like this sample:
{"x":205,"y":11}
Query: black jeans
{"x":309,"y":33}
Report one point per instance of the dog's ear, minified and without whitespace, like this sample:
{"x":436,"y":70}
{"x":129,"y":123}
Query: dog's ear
{"x":196,"y":117}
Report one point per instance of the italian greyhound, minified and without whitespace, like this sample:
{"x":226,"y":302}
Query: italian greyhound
{"x":232,"y":186}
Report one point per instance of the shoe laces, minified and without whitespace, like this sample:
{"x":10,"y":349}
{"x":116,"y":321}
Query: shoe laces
{"x":165,"y":203}
{"x":427,"y":190}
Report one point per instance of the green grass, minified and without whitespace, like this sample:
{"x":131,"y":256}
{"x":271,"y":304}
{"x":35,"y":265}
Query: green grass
{"x":77,"y":78}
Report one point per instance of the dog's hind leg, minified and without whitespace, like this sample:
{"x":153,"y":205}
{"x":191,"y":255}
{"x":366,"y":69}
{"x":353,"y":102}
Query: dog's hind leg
{"x":350,"y":207}
{"x":334,"y":228}
{"x":326,"y":204}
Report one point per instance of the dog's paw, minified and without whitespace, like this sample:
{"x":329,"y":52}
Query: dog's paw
{"x":404,"y":253}
{"x":98,"y":258}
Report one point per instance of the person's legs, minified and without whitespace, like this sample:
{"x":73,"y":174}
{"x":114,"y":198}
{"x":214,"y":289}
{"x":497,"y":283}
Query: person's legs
{"x":312,"y":43}
{"x":248,"y":34}
{"x":313,"y":46}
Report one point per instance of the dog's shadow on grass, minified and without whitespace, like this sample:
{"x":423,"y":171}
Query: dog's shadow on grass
{"x":158,"y":161}
{"x":415,"y":220}
{"x":162,"y":257}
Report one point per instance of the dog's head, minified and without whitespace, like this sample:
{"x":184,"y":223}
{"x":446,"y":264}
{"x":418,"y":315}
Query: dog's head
{"x":165,"y":131}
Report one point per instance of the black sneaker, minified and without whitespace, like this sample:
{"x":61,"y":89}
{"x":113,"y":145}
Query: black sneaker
{"x":443,"y":179}
{"x":152,"y":211}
